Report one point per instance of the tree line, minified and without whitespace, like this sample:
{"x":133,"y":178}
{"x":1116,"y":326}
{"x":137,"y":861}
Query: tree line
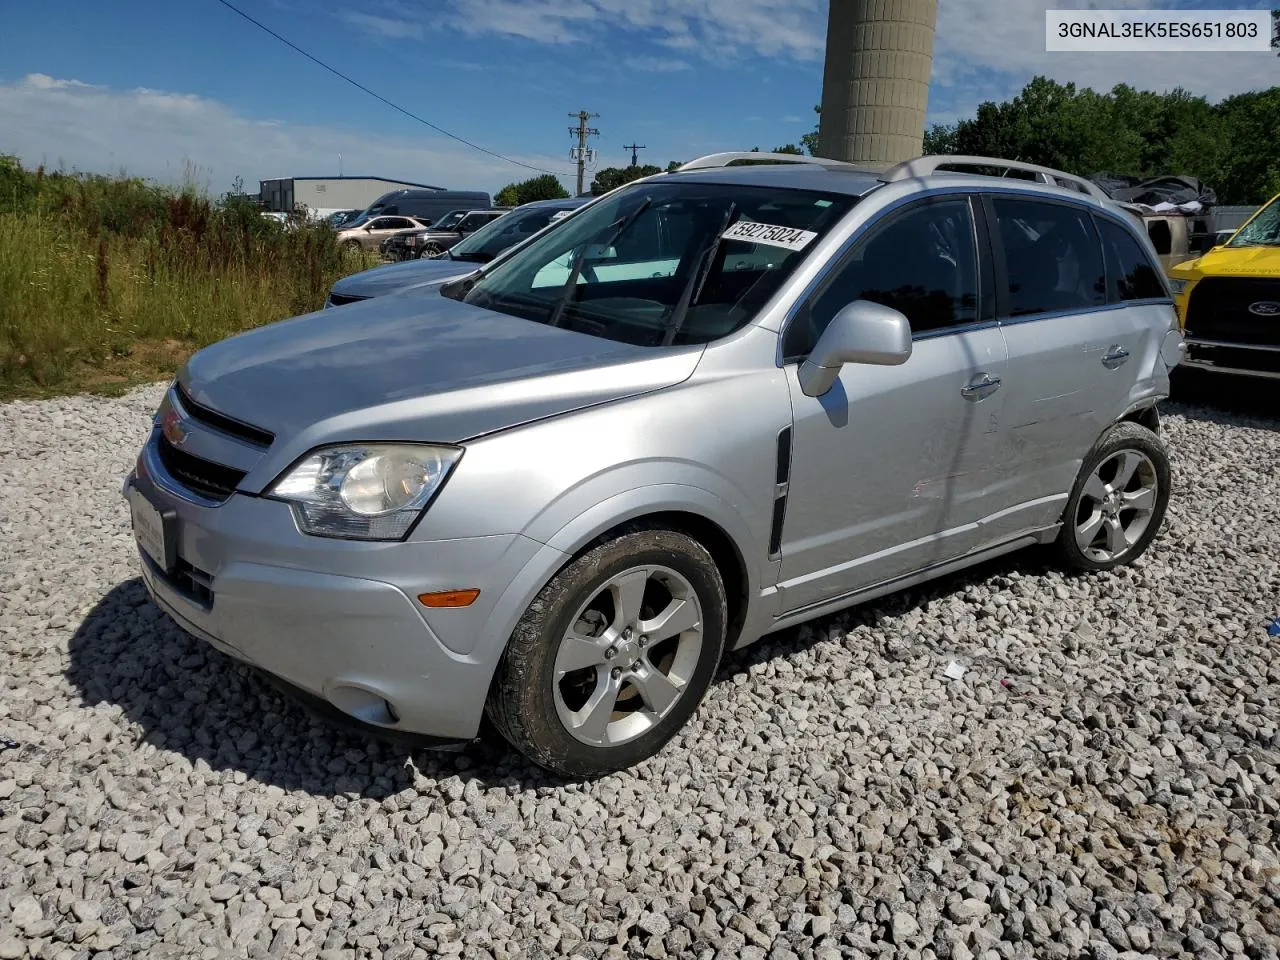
{"x":1231,"y":145}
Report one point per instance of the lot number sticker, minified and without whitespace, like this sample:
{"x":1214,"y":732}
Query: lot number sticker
{"x":789,"y":238}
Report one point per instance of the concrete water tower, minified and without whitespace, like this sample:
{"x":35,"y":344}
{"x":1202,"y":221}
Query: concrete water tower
{"x":875,"y":85}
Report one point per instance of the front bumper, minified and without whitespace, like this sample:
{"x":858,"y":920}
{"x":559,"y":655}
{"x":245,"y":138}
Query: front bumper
{"x":337,"y":619}
{"x":1239,"y":359}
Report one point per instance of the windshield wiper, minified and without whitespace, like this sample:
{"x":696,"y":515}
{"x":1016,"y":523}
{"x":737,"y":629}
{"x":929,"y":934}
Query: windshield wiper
{"x":567,"y":290}
{"x":689,"y":295}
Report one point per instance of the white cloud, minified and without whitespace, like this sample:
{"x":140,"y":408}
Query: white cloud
{"x":656,"y":64}
{"x":716,"y":29}
{"x":983,"y":50}
{"x":989,"y":51}
{"x":148,"y":133}
{"x":386,"y":28}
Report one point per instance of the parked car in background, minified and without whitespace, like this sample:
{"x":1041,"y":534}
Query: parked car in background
{"x":1229,"y":301}
{"x":428,"y":205}
{"x":369,"y":233}
{"x":465,"y":256}
{"x":711,"y":405}
{"x":396,"y":247}
{"x":439,"y":237}
{"x":340,"y":217}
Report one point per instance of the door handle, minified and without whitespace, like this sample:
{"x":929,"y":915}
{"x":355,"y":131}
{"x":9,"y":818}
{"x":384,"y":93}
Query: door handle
{"x":980,"y":387}
{"x":1114,"y":357}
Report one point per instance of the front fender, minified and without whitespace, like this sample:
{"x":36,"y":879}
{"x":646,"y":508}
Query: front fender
{"x":571,"y":537}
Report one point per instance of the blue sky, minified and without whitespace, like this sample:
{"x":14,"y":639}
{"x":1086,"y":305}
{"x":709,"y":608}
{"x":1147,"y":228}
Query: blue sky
{"x":156,"y":87}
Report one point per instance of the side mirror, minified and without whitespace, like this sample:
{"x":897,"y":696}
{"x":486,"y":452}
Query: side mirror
{"x":862,"y":332}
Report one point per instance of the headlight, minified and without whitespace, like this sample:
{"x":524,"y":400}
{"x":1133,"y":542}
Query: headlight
{"x":1177,"y":286}
{"x":364,"y":491}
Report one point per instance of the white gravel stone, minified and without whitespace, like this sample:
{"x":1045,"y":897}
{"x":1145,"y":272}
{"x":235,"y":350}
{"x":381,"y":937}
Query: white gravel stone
{"x":1103,"y":781}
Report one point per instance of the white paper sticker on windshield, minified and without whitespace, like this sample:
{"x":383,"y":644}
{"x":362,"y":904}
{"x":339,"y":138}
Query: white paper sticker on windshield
{"x":789,"y":238}
{"x":559,"y":215}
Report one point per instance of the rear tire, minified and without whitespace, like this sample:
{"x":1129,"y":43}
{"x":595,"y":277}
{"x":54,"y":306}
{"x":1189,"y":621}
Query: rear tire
{"x":1118,"y":502}
{"x":613,"y":656}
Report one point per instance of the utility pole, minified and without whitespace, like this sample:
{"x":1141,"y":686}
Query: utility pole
{"x":633,"y":147}
{"x":580,"y":152}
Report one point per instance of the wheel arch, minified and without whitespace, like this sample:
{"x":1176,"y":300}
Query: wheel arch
{"x":1146,"y":415}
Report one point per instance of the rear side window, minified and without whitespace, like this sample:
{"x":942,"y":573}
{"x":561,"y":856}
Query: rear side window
{"x":1130,"y":273}
{"x":1053,"y":261}
{"x":921,"y":262}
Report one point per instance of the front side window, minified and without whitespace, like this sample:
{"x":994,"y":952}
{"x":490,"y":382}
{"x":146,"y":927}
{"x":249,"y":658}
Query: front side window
{"x":1052,"y":258}
{"x":500,"y":233}
{"x":921,"y":262}
{"x":1130,"y":272}
{"x":449,"y":220}
{"x":472,"y":222}
{"x":663,"y":263}
{"x":1262,"y":231}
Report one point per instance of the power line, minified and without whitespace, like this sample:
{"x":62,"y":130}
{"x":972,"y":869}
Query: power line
{"x":377,"y":96}
{"x":633,"y":147}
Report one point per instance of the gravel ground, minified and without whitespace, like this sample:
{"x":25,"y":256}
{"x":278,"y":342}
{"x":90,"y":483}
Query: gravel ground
{"x":1104,"y":781}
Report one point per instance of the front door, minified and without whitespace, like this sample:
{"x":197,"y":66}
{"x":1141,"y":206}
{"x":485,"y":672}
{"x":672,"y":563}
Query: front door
{"x":891,"y":468}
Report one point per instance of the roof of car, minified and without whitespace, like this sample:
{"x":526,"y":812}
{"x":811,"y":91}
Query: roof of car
{"x":833,"y":176}
{"x":563,"y":203}
{"x":850,"y":180}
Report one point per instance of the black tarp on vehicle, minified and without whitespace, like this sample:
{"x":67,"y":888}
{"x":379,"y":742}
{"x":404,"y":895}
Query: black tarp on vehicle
{"x":1151,"y":191}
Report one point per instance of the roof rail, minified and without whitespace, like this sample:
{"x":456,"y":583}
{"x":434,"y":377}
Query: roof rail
{"x":712,"y":160}
{"x":924,"y":166}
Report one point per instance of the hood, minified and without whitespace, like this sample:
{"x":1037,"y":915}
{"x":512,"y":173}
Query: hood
{"x":1231,"y":262}
{"x":414,"y":368}
{"x":400,"y":276}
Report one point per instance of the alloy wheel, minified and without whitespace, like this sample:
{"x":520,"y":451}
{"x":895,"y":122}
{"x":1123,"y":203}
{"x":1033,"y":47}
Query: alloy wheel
{"x":1116,"y":505}
{"x":628,"y":656}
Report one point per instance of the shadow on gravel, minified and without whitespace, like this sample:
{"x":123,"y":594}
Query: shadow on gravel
{"x":190,"y":699}
{"x":213,"y":710}
{"x":1226,"y":400}
{"x":1030,"y":562}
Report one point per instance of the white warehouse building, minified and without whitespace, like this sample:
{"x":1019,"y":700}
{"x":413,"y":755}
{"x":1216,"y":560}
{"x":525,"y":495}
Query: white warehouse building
{"x":324,"y":195}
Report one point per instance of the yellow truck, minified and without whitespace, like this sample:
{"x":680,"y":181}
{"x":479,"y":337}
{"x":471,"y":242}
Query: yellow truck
{"x":1228,"y":301}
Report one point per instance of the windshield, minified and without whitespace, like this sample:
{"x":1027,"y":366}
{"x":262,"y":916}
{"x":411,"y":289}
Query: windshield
{"x":506,"y":231}
{"x":1263,"y":230}
{"x":662,"y":263}
{"x":449,"y":220}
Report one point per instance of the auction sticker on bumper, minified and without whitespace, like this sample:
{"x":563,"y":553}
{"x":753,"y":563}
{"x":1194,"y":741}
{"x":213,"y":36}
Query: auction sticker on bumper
{"x":148,"y":529}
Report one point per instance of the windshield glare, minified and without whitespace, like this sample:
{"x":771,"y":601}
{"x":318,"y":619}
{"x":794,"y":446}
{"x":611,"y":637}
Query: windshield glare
{"x":663,"y":263}
{"x":1262,"y":230}
{"x":448,"y":220}
{"x":505,"y":231}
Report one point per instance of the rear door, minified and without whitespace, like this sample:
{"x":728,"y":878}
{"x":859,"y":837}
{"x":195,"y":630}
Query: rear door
{"x":1069,"y":350}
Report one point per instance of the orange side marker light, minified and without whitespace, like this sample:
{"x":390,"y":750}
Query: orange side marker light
{"x":449,"y":598}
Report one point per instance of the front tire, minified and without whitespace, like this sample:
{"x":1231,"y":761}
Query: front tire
{"x":1118,"y":502}
{"x":613,"y":656}
{"x":430,"y":252}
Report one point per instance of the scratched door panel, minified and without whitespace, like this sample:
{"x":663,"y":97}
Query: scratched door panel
{"x":1062,"y":395}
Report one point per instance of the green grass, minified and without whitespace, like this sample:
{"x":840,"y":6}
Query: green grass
{"x":109,"y":282}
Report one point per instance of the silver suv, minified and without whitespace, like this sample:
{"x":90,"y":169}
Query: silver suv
{"x":713,"y":404}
